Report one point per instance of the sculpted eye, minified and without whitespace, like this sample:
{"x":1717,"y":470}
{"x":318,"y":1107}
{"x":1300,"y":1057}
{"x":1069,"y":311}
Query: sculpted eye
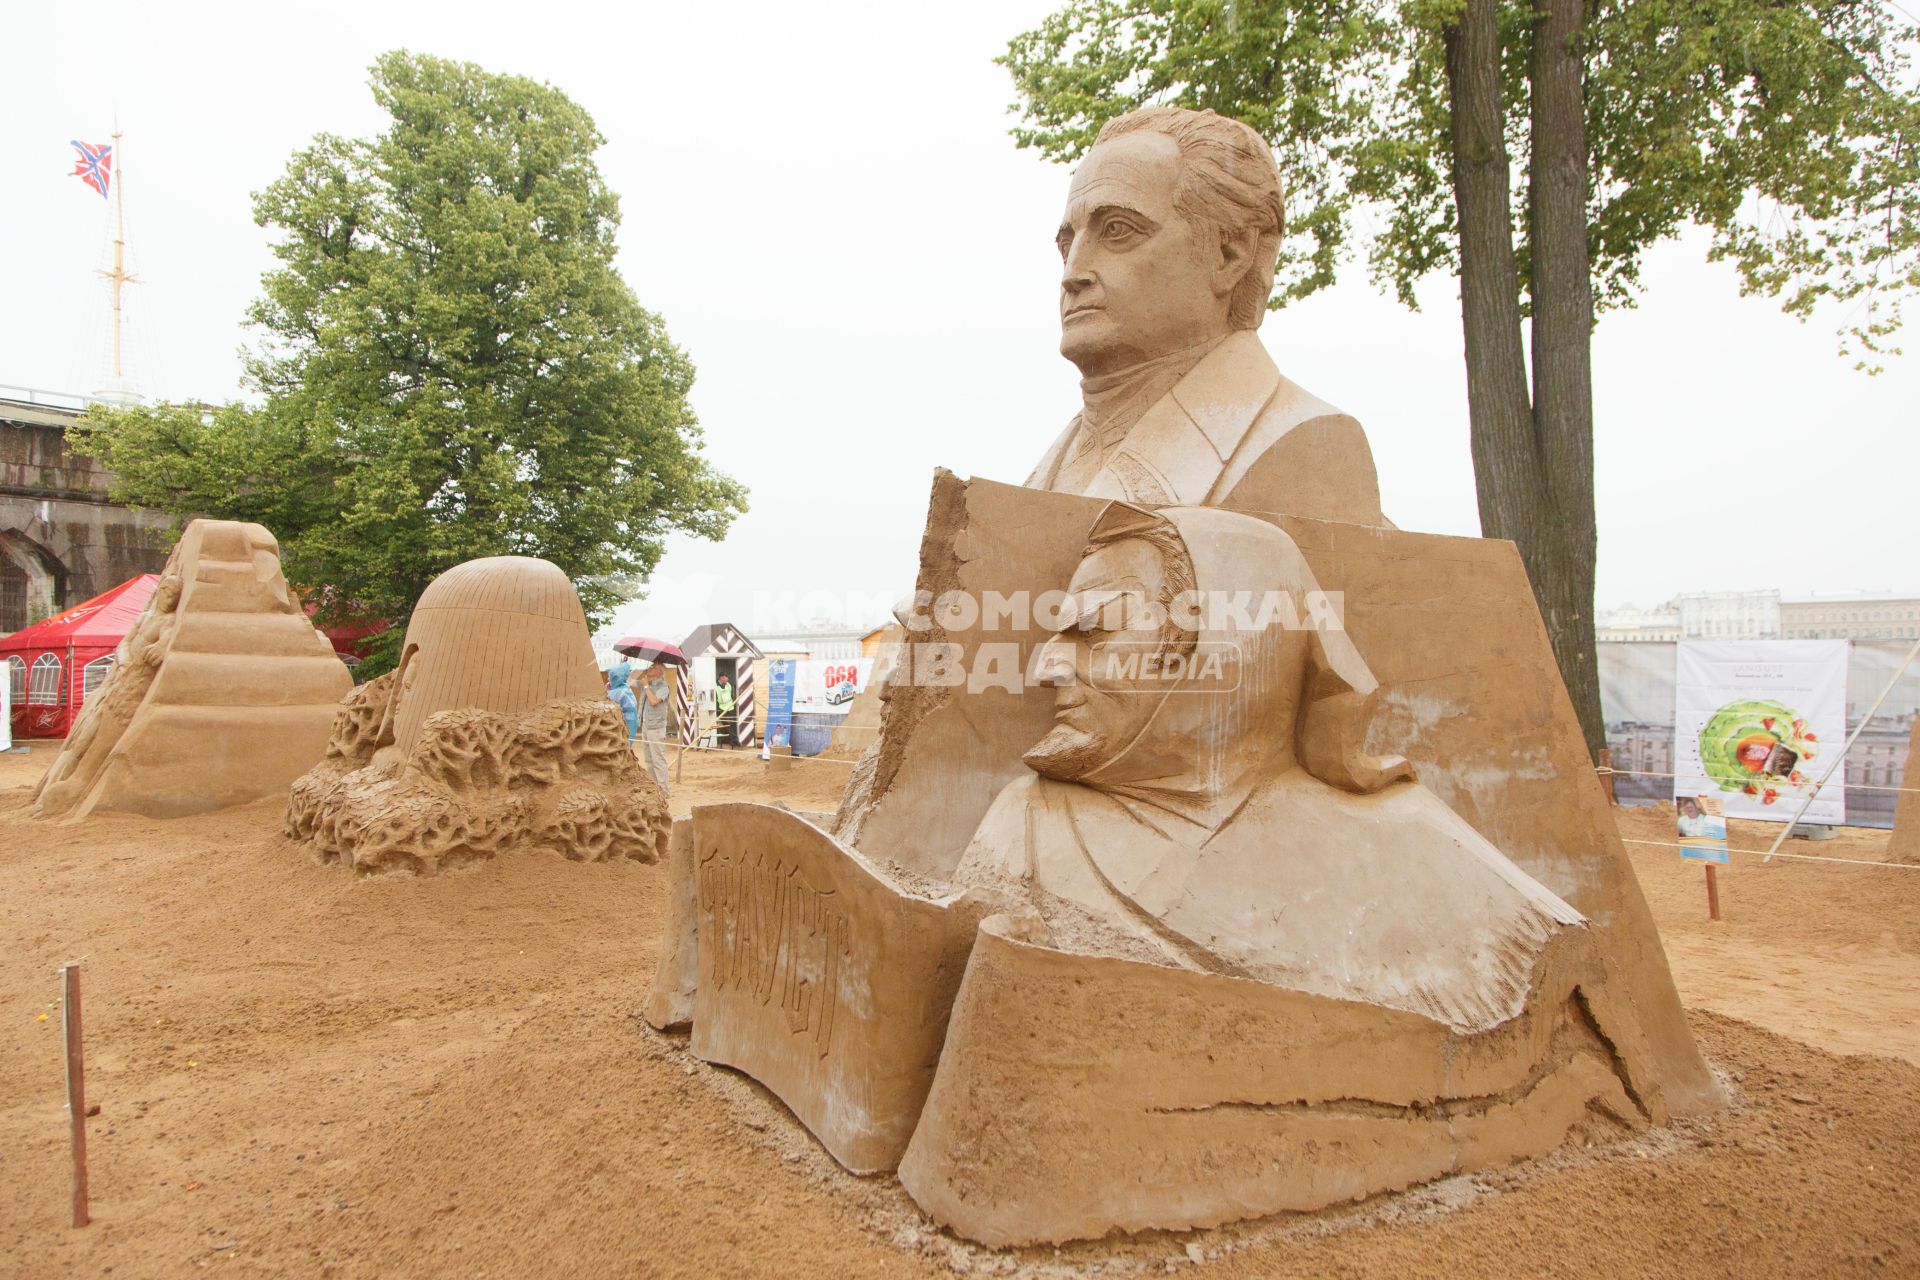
{"x":1117,"y":229}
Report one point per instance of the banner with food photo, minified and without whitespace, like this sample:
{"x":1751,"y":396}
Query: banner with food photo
{"x":1754,"y":721}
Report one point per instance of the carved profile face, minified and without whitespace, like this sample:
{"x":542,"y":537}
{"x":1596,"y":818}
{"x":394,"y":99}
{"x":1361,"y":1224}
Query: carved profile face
{"x":1141,"y":279}
{"x":1103,"y":666}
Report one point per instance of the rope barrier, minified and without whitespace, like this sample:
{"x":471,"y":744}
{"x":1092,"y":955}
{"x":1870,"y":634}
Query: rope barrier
{"x":753,"y":754}
{"x":1603,"y":771}
{"x":1797,"y":857}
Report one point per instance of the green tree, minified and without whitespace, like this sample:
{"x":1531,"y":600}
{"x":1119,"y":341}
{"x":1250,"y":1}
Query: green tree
{"x":449,"y":364}
{"x":1788,"y":128}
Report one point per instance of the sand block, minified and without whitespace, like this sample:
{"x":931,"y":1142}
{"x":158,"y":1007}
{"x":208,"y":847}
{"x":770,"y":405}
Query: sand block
{"x":1468,"y":692}
{"x":221,"y":694}
{"x":821,"y":976}
{"x":1082,"y":1093}
{"x":676,"y":974}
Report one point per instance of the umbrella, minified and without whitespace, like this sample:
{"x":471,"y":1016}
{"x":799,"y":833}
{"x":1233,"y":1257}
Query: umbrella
{"x":647,"y":649}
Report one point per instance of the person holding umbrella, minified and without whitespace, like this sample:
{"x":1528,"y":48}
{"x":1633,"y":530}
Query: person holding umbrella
{"x":654,"y":696}
{"x":653,"y":721}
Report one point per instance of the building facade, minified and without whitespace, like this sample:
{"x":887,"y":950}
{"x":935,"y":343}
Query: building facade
{"x":1764,"y":615}
{"x":62,"y":540}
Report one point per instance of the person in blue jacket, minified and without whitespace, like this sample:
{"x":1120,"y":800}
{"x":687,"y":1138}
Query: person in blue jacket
{"x":622,"y":696}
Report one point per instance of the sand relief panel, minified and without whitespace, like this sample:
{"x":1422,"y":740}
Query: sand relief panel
{"x":773,"y":937}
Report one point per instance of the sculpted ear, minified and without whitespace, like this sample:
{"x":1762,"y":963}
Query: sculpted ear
{"x":1336,"y":710}
{"x":1237,"y":250}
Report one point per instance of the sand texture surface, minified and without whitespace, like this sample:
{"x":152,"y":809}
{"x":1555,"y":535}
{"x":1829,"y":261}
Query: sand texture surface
{"x":306,"y":1073}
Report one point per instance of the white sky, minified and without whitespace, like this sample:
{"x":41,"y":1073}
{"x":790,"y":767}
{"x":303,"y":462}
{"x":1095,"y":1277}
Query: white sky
{"x":823,"y":202}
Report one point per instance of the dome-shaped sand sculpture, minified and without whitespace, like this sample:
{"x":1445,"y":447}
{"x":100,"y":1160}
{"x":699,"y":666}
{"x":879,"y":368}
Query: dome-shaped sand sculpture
{"x":493,"y":735}
{"x":221,"y":693}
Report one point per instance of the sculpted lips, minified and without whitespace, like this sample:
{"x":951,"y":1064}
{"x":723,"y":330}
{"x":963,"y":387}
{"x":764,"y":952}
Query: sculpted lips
{"x":1079,"y":311}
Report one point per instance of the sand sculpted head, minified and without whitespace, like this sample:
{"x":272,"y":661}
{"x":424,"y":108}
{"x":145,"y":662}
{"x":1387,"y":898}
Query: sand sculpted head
{"x":1195,"y":660}
{"x":1169,"y":239}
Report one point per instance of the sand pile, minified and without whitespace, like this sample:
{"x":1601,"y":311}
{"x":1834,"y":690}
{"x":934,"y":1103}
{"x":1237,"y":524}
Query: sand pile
{"x":303,"y":1074}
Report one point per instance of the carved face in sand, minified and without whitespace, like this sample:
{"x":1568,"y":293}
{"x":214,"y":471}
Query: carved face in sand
{"x":1141,"y":278}
{"x":1160,"y":687}
{"x":1109,"y":663}
{"x":1169,"y":239}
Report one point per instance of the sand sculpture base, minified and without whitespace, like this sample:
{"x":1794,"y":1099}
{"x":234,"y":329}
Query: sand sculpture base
{"x":221,"y":695}
{"x":477,"y":784}
{"x":1081,"y":1093}
{"x":1033,"y":1089}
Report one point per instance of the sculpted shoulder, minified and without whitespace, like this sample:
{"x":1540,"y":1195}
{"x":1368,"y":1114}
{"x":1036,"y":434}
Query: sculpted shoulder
{"x":1302,"y":457}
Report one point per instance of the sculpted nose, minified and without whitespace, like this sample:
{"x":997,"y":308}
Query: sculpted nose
{"x":1075,"y":275}
{"x":1053,"y":664}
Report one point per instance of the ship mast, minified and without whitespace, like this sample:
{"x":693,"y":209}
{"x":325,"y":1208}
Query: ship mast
{"x":119,"y":276}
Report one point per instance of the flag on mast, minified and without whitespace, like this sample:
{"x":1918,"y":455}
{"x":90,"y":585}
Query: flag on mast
{"x":95,"y":165}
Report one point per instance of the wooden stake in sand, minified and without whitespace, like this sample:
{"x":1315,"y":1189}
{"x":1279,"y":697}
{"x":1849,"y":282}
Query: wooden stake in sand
{"x":1713,"y":894}
{"x":76,"y":1089}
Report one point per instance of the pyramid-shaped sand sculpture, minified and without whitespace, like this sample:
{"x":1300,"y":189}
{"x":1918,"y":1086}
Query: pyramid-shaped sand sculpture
{"x":493,"y":734}
{"x":220,"y":694}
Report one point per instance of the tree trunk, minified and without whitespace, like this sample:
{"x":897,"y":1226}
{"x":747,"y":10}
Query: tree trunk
{"x":1533,"y":464}
{"x":1563,"y":351}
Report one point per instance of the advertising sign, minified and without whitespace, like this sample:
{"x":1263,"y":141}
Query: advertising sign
{"x":1703,"y":827}
{"x":780,"y":703}
{"x":828,"y":686}
{"x":1754,"y":721}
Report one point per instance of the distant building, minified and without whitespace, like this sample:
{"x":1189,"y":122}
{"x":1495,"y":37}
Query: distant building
{"x":1854,"y":616}
{"x":1764,"y":615}
{"x":62,"y":540}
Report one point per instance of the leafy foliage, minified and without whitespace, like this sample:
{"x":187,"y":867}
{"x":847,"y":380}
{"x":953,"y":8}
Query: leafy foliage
{"x":450,"y":366}
{"x":1789,"y":128}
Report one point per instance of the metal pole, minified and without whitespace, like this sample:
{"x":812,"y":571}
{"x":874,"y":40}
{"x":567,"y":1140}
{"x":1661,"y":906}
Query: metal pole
{"x":119,"y":241}
{"x":76,"y":1089}
{"x":1835,"y":763}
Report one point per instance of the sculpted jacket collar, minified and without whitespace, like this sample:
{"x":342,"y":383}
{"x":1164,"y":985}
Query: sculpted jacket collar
{"x":1179,"y":451}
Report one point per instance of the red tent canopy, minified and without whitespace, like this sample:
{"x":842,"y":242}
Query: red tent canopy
{"x":53,"y":664}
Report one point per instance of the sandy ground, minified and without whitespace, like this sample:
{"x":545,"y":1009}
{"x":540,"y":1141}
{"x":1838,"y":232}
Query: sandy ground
{"x":305,"y":1074}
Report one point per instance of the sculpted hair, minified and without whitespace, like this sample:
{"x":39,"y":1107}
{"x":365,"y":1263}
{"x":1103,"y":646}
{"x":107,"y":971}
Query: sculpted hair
{"x":1228,"y":180}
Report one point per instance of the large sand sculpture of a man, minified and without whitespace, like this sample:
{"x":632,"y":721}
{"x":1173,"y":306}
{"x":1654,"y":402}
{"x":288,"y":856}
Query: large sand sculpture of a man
{"x":1168,"y":244}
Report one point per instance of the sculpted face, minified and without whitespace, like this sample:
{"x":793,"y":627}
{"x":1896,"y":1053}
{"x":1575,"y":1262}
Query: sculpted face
{"x":1141,"y":280}
{"x":1103,"y":700}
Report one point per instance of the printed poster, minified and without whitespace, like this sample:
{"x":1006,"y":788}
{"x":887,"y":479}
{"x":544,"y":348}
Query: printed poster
{"x":1758,"y":723}
{"x":1703,"y":827}
{"x":828,"y":686}
{"x":780,"y":703}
